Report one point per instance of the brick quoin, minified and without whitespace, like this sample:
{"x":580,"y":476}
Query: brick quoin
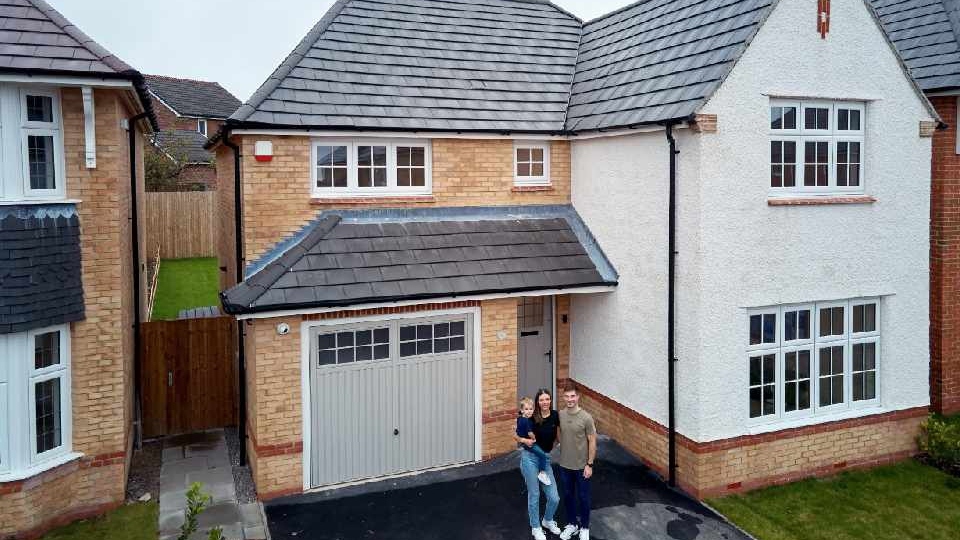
{"x":945,"y":263}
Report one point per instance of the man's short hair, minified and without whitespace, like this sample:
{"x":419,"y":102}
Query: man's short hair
{"x":570,"y":386}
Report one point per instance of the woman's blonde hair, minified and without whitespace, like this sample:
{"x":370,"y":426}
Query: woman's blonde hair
{"x":525,"y":400}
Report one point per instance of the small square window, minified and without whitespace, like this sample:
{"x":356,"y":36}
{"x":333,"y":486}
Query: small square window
{"x":865,"y":318}
{"x":831,"y":321}
{"x":46,"y":350}
{"x":763,"y":328}
{"x":39,"y":109}
{"x":531,"y":164}
{"x":816,"y":118}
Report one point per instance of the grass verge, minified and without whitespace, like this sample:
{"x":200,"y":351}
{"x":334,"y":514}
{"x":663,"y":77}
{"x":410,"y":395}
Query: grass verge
{"x":129,"y":522}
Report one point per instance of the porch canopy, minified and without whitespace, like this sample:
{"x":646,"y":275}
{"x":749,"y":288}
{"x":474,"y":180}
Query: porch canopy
{"x":349,"y":258}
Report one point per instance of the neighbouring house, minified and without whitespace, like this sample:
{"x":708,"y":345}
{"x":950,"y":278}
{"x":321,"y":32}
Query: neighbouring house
{"x":927,"y":33}
{"x":74,"y":120}
{"x":450,"y":204}
{"x":189,"y":111}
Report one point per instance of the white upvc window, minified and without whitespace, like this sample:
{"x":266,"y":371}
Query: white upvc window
{"x":35,"y":401}
{"x":531,"y":163}
{"x":816,"y":147}
{"x":42,"y":143}
{"x":812,"y":359}
{"x":202,"y":126}
{"x":352,"y":168}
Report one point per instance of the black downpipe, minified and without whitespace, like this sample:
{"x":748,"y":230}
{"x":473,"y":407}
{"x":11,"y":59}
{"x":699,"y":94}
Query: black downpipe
{"x":241,"y":358}
{"x":671,"y":293}
{"x":135,"y":241}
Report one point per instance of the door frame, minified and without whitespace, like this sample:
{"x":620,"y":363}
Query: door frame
{"x":306,"y":397}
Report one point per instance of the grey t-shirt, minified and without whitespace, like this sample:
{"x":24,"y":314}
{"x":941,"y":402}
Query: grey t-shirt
{"x":574,"y":428}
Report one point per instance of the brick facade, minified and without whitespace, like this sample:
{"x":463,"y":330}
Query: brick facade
{"x":945,"y":263}
{"x":743,"y":463}
{"x":102,"y":344}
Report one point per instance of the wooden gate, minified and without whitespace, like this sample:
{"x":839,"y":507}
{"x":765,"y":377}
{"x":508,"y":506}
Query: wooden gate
{"x":189,"y":375}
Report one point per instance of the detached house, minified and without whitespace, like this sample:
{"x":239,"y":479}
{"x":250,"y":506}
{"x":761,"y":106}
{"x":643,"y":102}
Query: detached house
{"x":73,"y":120}
{"x":927,"y":34}
{"x":188,"y":111}
{"x":711,"y":215}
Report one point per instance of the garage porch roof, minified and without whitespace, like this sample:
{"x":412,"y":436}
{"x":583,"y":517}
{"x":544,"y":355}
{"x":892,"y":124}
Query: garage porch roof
{"x":347,"y":258}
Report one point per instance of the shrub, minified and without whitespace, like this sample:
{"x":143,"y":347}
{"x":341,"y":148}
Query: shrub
{"x":197,"y":502}
{"x":940,"y":440}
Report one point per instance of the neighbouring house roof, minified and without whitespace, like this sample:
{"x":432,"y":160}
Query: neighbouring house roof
{"x":371,"y":256}
{"x":188,"y":97}
{"x":183,"y":144}
{"x":39,"y":267}
{"x":35,"y":38}
{"x":926,"y":33}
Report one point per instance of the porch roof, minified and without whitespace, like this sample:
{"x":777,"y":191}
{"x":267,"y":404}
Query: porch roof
{"x":349,"y":258}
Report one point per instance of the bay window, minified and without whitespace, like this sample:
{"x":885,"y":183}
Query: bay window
{"x":816,"y":147}
{"x":35,"y":403}
{"x":812,"y":359}
{"x":370,"y":168}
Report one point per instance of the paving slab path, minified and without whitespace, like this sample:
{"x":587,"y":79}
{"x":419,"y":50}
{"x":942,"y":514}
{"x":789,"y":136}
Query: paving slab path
{"x":203,"y":457}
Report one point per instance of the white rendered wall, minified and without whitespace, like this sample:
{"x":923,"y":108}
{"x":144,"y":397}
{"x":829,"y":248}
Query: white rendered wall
{"x":619,"y":339}
{"x":756,"y":255}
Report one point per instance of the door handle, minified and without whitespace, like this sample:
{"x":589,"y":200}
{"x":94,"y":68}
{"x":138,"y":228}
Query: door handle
{"x":396,"y":431}
{"x":170,"y":378}
{"x":549,"y":355}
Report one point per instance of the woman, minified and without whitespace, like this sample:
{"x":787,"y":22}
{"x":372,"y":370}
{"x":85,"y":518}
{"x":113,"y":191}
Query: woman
{"x":546,"y":429}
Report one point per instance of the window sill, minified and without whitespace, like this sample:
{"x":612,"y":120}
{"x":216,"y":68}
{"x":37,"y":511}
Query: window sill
{"x":818,"y":201}
{"x":529,"y":189}
{"x":851,"y":412}
{"x":34,"y":470}
{"x":39,"y":202}
{"x":394,"y":199}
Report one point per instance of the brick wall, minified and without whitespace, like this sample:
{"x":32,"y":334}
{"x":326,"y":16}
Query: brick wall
{"x":168,"y":120}
{"x":102,"y":344}
{"x":753,"y":461}
{"x":498,"y":324}
{"x":945,"y":263}
{"x":466,"y":172}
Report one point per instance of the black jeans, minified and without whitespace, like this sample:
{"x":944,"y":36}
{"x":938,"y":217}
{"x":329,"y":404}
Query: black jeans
{"x":578,"y":506}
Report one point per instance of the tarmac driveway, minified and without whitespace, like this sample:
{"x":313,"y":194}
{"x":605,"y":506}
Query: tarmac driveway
{"x":487,"y":501}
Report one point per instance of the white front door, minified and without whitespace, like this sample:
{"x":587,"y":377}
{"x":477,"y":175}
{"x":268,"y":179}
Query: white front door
{"x":535,"y":350}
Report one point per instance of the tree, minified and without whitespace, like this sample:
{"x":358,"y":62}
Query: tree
{"x":163,"y":162}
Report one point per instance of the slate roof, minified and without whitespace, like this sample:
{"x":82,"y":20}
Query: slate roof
{"x":190,"y":97}
{"x":35,"y":38}
{"x":180,"y":143}
{"x":39,"y":267}
{"x":358,"y":257}
{"x":926,"y":33}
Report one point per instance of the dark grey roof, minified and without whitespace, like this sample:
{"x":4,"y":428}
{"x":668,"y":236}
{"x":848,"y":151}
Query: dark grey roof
{"x":426,"y":64}
{"x":188,"y":97}
{"x":34,"y":38}
{"x":658,"y":59}
{"x":40,"y":273}
{"x":925,"y":33}
{"x":358,"y":257}
{"x":184,"y":144}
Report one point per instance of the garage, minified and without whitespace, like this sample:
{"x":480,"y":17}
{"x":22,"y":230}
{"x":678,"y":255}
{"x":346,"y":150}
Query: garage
{"x":389,"y":397}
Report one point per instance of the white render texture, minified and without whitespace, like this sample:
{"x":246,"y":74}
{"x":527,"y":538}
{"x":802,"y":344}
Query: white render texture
{"x":736,"y":252}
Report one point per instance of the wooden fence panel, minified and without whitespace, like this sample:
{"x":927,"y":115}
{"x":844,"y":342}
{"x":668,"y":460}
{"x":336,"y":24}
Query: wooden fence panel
{"x":181,"y":223}
{"x":189,"y":375}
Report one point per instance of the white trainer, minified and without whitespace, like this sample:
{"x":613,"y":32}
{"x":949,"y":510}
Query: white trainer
{"x":551,"y":526}
{"x":538,"y":534}
{"x":569,"y":531}
{"x":584,"y":534}
{"x":544,"y":479}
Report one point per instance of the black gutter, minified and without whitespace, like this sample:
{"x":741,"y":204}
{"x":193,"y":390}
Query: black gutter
{"x":241,"y":353}
{"x":671,"y":296}
{"x":135,"y":241}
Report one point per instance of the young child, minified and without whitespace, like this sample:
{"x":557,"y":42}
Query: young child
{"x":525,"y":431}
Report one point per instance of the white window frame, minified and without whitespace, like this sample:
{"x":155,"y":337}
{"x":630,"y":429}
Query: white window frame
{"x":353,"y":189}
{"x":542,"y":180}
{"x":59,"y":371}
{"x":846,"y":341}
{"x":831,"y":135}
{"x":202,"y":126}
{"x":51,"y":129}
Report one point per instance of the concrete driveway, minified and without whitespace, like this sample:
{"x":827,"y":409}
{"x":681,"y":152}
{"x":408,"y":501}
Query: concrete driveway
{"x":488,"y":502}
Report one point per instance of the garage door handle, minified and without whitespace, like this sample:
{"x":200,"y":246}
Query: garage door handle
{"x":396,"y":431}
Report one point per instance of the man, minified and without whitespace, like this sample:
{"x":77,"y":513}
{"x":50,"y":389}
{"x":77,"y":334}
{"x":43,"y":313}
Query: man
{"x":578,"y":448}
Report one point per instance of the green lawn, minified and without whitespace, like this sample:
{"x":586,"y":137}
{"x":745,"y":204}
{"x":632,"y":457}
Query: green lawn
{"x":130,"y":522}
{"x":902,"y":501}
{"x":186,"y":283}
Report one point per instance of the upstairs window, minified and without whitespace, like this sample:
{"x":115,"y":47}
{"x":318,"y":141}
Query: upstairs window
{"x":816,"y":147}
{"x":531,"y":164}
{"x":370,"y":168}
{"x":202,"y":126}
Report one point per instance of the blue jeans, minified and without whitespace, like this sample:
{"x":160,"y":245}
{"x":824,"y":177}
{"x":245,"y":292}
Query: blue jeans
{"x":578,"y":506}
{"x":543,"y":458}
{"x":529,"y":469}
